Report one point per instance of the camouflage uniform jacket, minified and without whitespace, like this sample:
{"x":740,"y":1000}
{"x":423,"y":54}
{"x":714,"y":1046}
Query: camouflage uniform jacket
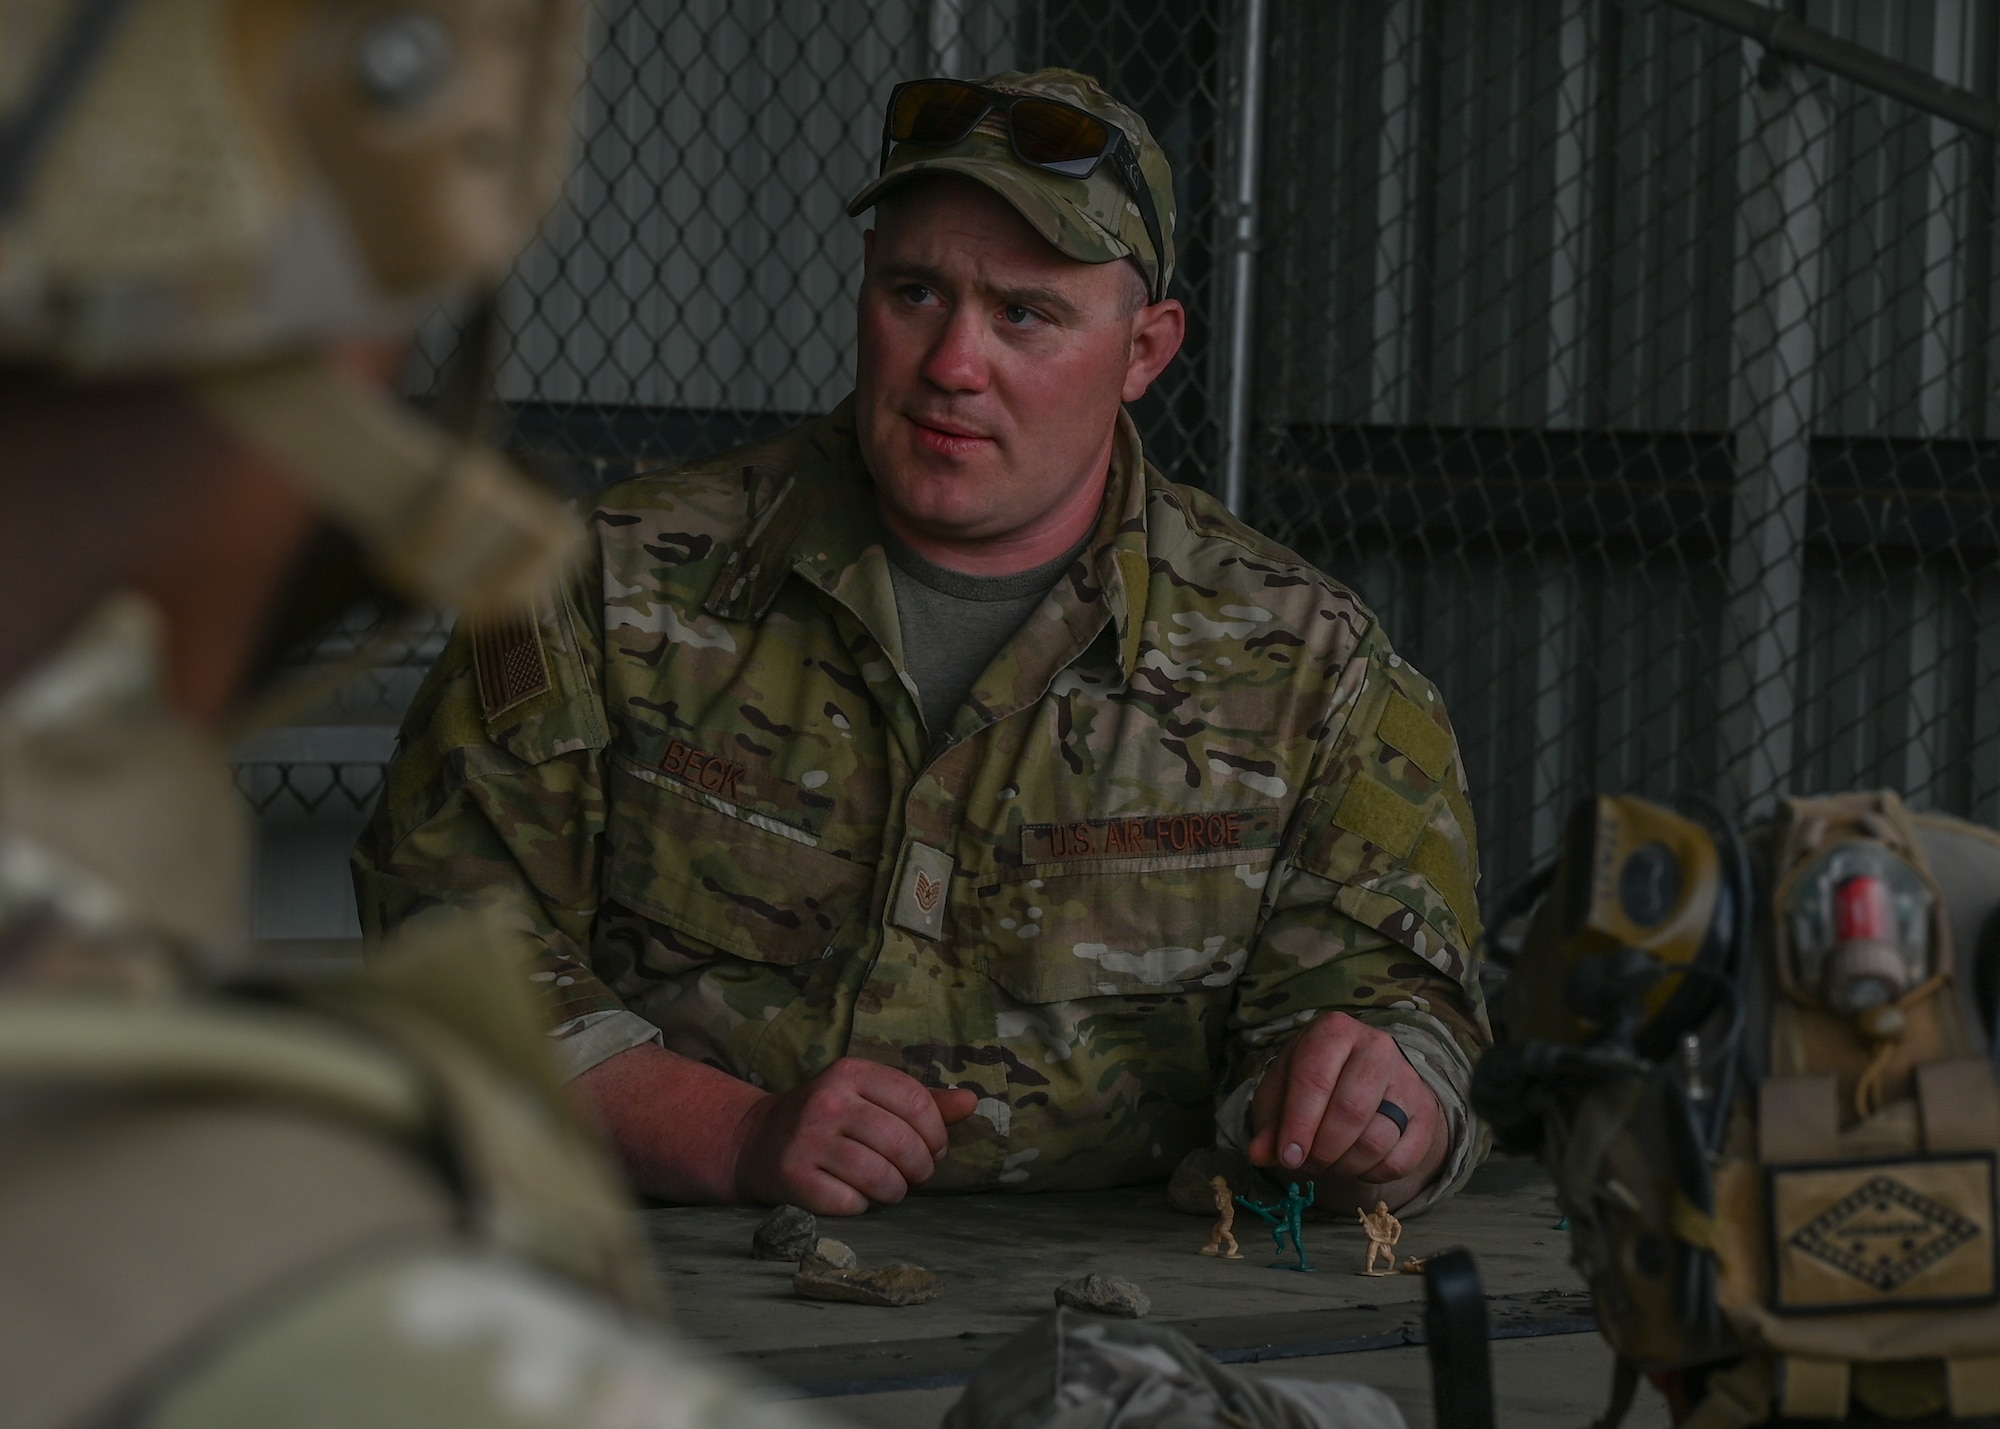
{"x":1195,"y":802}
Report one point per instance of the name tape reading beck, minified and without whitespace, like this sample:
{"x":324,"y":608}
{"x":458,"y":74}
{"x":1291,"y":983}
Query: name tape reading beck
{"x":699,"y":769}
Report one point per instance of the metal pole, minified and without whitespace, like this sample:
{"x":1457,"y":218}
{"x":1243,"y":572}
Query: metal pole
{"x":1243,"y":258}
{"x":1777,"y":352}
{"x":1794,"y":39}
{"x":1974,"y":386}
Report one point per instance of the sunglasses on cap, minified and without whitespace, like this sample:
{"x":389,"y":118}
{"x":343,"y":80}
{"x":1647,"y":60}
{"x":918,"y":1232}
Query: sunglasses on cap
{"x":1044,"y":134}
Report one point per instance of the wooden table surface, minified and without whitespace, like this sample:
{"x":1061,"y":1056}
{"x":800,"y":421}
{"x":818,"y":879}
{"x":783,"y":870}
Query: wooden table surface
{"x":1000,"y":1258}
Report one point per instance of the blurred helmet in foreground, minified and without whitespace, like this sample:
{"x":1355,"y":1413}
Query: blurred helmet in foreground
{"x":226,"y":190}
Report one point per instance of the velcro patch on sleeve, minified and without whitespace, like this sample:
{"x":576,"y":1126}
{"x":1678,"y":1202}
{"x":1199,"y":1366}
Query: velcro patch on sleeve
{"x":1379,"y":814}
{"x":508,"y":660}
{"x":1859,"y":1236}
{"x":1455,"y":800}
{"x":1441,"y":867}
{"x":1415,"y":735}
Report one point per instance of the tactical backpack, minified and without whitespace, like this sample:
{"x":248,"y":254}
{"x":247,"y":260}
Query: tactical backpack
{"x":1756,"y":1068}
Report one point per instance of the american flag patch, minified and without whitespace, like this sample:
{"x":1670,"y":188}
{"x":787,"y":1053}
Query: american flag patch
{"x":507,"y":657}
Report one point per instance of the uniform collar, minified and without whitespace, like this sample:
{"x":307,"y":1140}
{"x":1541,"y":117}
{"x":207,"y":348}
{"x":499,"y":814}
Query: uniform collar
{"x":1120,"y":552}
{"x":819,"y":520}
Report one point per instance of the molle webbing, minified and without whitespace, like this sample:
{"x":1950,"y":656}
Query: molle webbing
{"x":1873,"y":1238}
{"x":1812,"y":1389}
{"x":1798,"y":1119}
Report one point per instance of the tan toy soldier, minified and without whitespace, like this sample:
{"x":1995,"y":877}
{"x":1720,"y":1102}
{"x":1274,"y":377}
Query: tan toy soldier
{"x":1383,"y":1231}
{"x":936,"y":795}
{"x":358,"y":1204}
{"x":1222,"y":1237}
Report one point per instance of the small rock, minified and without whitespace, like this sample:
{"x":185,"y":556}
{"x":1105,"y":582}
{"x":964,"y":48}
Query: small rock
{"x":1190,"y":1193}
{"x":787,"y":1233}
{"x":890,"y":1285}
{"x":829,"y":1254}
{"x":1104,"y":1295}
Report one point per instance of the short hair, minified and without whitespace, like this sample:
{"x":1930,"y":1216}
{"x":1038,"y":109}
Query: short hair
{"x":1138,"y":292}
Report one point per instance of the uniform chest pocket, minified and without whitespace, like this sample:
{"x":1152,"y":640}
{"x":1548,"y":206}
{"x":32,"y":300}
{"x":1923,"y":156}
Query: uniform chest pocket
{"x":740,"y":882}
{"x":1150,"y":926}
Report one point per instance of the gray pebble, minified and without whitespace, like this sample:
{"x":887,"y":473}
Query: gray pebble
{"x":829,"y":1254}
{"x":787,"y":1233}
{"x":1104,"y":1295}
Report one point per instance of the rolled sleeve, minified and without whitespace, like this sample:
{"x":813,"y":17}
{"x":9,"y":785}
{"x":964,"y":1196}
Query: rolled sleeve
{"x":1373,"y":912}
{"x":596,"y":1037}
{"x":1442,"y":1064}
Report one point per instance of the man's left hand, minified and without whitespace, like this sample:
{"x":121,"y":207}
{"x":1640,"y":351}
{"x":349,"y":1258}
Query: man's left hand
{"x":1316,"y":1108}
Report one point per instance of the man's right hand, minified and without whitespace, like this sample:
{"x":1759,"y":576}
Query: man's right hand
{"x":857,"y":1133}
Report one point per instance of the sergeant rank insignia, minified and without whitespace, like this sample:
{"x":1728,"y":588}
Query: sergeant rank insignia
{"x":921,"y":888}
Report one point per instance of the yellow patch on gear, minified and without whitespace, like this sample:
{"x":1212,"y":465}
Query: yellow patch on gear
{"x":1861,"y":1235}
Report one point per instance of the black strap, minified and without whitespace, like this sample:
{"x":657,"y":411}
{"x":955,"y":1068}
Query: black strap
{"x":25,"y":135}
{"x":1455,"y":1337}
{"x":1624,"y":1384}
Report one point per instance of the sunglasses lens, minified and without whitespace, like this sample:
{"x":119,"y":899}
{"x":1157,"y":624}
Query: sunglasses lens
{"x":1058,"y":137}
{"x":936,"y":112}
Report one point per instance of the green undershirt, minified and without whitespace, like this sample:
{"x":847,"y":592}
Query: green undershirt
{"x":954,"y":623}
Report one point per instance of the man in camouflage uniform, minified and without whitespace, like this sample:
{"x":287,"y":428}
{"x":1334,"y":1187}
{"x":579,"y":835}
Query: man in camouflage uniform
{"x":363,"y":1202}
{"x":937,"y":764}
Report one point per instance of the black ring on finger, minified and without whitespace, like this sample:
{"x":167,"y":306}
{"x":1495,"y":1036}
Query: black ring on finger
{"x":1395,"y":1114}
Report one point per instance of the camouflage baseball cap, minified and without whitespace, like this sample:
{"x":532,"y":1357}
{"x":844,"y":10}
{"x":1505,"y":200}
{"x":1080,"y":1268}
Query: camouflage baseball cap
{"x":1093,"y":220}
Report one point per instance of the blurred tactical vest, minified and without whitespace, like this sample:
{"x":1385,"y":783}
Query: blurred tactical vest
{"x":1757,"y":1068}
{"x":207,"y":1173}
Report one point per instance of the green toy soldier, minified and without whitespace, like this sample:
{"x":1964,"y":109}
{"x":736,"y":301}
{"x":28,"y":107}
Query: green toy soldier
{"x":1286,"y":1217}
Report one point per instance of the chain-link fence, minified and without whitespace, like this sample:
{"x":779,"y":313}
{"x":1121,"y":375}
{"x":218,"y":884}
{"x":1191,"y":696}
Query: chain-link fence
{"x":1640,"y":382}
{"x":699,"y":290}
